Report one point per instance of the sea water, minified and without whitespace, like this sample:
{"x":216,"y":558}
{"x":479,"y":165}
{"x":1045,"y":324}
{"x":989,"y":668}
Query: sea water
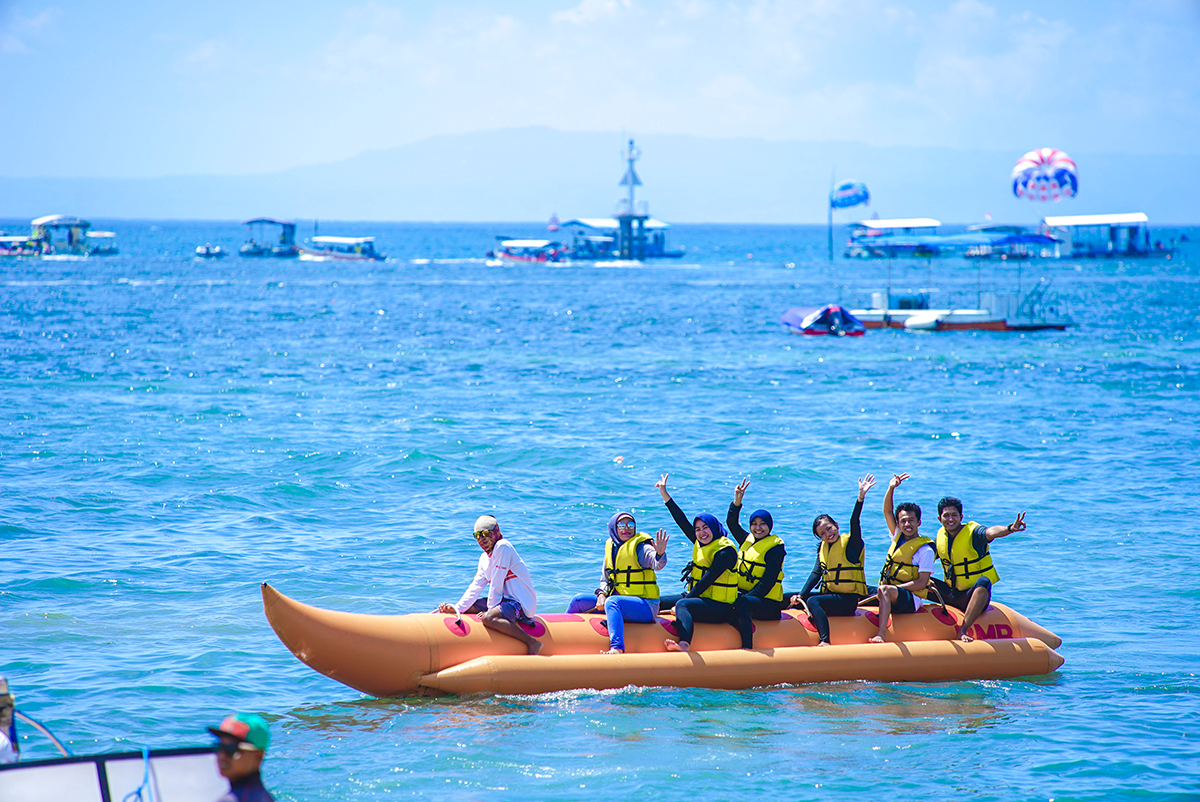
{"x":175,"y":432}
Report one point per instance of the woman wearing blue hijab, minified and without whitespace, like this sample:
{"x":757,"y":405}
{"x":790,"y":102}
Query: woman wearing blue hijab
{"x":628,"y":585}
{"x":711,"y":577}
{"x":760,"y":559}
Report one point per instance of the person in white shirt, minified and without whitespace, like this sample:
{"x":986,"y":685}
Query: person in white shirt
{"x":904,"y":581}
{"x":510,"y":598}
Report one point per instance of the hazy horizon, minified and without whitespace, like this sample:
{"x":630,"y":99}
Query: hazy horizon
{"x":930,"y":102}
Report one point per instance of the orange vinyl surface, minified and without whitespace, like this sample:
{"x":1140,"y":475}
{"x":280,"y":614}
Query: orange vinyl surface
{"x":395,"y":655}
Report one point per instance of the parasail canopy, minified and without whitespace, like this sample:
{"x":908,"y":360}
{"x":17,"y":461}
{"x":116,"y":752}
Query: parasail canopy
{"x":849,"y":193}
{"x":1045,"y":174}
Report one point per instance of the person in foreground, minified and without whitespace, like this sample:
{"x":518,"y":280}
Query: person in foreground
{"x":712,"y":595}
{"x":904,"y":581}
{"x":629,"y":584}
{"x":967,"y":561}
{"x":839,"y":568}
{"x":244,"y":739}
{"x":510,"y":595}
{"x":760,"y":560}
{"x":8,"y":733}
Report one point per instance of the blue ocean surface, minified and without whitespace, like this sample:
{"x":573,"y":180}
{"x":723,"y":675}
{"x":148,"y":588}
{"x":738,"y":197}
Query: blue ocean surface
{"x":173,"y":432}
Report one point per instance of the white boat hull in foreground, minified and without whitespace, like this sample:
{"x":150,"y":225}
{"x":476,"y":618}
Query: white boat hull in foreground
{"x":173,"y":775}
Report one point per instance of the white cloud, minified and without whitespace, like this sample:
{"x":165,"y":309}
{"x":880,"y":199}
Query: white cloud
{"x":963,"y":74}
{"x":959,"y":73}
{"x":20,"y":31}
{"x":590,"y":11}
{"x":209,"y":56}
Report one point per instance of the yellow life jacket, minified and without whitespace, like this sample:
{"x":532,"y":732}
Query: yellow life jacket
{"x":725,"y":588}
{"x":625,"y":575}
{"x":960,"y":562}
{"x":838,"y":574}
{"x":752,"y":564}
{"x":899,"y":566}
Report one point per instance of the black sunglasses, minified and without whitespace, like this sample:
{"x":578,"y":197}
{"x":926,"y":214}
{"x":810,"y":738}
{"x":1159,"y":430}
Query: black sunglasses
{"x":228,"y":749}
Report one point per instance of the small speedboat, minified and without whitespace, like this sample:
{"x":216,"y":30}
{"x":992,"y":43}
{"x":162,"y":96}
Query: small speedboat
{"x":529,"y":251}
{"x":829,"y":319}
{"x":207,"y":251}
{"x":341,"y":249}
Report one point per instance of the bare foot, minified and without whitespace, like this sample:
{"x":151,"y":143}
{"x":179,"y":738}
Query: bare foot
{"x":614,"y":651}
{"x":964,"y":637}
{"x":823,"y":643}
{"x":876,"y":639}
{"x":535,"y":647}
{"x":672,"y":646}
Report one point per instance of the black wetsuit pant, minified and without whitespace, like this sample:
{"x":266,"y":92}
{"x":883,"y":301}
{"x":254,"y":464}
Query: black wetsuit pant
{"x":960,"y":598}
{"x":827,"y":604}
{"x":706,"y":611}
{"x":752,"y":608}
{"x":665,"y":603}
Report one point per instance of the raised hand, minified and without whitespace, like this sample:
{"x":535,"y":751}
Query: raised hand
{"x":740,"y":491}
{"x":660,"y":542}
{"x":865,"y":484}
{"x":1019,"y":524}
{"x":896,"y":479}
{"x":661,"y":484}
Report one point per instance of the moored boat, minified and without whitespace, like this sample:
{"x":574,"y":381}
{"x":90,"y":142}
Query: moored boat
{"x":538,"y":251}
{"x":908,"y":236}
{"x":102,"y":243}
{"x":1091,"y":236}
{"x":828,"y":319}
{"x":261,"y":244}
{"x":631,"y":235}
{"x":209,"y":251}
{"x":60,"y":236}
{"x":602,"y":238}
{"x":424,"y":654}
{"x":344,"y":249}
{"x":19,"y":245}
{"x":1035,"y":310}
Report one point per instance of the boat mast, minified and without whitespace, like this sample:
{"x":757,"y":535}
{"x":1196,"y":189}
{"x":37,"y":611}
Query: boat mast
{"x":630,"y":178}
{"x":630,"y":243}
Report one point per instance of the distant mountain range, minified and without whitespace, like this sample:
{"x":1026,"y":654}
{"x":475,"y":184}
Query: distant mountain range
{"x":526,"y":174}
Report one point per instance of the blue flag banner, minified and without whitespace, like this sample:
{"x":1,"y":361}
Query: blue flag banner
{"x":849,"y":193}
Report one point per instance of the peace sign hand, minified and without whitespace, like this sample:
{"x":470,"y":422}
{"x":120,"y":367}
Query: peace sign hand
{"x":740,"y":491}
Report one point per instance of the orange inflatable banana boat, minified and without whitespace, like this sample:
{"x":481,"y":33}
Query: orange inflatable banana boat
{"x":430,"y":654}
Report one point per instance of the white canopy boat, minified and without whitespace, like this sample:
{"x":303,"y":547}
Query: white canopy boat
{"x":347,"y":249}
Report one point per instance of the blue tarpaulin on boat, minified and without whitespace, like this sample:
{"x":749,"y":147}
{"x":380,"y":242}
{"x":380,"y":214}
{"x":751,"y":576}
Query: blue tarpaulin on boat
{"x":828,"y":319}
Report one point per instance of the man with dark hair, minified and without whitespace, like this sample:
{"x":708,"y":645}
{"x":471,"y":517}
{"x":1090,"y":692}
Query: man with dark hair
{"x":967,"y":562}
{"x":904,"y":581}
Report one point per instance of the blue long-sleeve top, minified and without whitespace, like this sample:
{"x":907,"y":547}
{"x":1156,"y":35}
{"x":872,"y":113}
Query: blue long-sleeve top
{"x":854,"y":551}
{"x":773,"y":558}
{"x":724,"y":560}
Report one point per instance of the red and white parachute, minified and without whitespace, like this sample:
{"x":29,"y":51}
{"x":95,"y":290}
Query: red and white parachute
{"x":1045,"y":174}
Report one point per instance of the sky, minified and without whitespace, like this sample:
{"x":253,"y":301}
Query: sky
{"x":136,"y":89}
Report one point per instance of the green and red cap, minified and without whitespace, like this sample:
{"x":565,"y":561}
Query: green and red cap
{"x":247,"y":728}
